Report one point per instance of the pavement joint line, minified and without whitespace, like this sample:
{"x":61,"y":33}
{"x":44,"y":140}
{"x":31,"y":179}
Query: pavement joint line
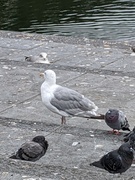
{"x":9,"y":120}
{"x":51,"y":127}
{"x":32,"y":124}
{"x":14,"y":105}
{"x":73,"y":78}
{"x":60,"y":127}
{"x":103,"y":66}
{"x":48,"y":131}
{"x":76,"y":68}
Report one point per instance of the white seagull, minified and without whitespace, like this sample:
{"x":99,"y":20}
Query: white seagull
{"x":42,"y":58}
{"x":64,"y":101}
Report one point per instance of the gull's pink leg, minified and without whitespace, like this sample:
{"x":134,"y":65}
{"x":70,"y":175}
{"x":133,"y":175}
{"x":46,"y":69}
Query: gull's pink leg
{"x":63,"y":120}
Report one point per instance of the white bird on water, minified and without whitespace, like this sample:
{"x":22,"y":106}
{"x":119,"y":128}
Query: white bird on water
{"x":64,"y":101}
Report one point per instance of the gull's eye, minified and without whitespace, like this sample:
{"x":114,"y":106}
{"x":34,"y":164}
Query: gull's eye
{"x":41,"y":55}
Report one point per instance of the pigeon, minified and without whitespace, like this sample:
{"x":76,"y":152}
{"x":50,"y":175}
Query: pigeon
{"x":33,"y":150}
{"x":117,"y":161}
{"x":130,"y":136}
{"x":42,"y":58}
{"x":116,"y":120}
{"x":65,"y":101}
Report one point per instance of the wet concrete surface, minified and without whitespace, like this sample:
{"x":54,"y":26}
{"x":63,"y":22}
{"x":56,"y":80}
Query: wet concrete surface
{"x":101,"y":70}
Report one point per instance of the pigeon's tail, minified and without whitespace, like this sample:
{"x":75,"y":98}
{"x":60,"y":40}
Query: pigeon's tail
{"x":101,"y":116}
{"x":13,"y":157}
{"x":125,"y":126}
{"x":97,"y":164}
{"x":126,"y":137}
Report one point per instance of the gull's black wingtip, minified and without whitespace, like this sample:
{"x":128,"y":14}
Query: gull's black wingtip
{"x":101,"y":116}
{"x":126,"y":129}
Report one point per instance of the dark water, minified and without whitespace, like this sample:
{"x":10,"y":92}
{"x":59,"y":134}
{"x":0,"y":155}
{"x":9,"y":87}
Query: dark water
{"x":104,"y":19}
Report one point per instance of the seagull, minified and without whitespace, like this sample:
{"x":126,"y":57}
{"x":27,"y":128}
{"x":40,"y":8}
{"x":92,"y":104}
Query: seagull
{"x":117,"y":161}
{"x":116,"y":120}
{"x":42,"y":58}
{"x":33,"y":150}
{"x":64,"y":101}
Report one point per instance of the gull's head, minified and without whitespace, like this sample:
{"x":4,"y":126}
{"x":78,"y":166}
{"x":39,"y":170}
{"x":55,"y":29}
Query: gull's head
{"x":49,"y":76}
{"x":44,"y":56}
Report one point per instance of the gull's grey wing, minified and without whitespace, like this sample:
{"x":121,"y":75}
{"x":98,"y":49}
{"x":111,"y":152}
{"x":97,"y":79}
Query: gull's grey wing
{"x":33,"y":58}
{"x":70,"y":101}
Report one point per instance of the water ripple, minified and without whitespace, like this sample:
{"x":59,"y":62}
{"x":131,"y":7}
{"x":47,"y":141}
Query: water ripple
{"x":112,"y":19}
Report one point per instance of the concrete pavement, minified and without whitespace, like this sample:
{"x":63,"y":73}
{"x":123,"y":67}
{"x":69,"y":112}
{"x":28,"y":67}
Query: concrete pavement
{"x":101,"y":70}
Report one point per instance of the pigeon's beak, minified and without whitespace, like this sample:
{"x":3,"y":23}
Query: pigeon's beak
{"x":41,"y":74}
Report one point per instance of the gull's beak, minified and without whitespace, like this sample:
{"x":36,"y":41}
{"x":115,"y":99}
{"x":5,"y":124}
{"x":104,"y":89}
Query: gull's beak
{"x":41,"y":74}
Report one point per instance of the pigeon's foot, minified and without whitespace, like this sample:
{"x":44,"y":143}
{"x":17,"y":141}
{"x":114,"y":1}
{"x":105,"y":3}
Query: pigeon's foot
{"x":116,"y":132}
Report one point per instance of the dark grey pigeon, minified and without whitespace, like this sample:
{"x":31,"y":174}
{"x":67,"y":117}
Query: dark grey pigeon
{"x":117,"y":161}
{"x":116,"y":120}
{"x":33,"y":150}
{"x":130,"y":137}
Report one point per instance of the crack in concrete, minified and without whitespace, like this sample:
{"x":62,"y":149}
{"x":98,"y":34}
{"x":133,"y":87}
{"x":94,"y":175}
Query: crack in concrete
{"x":51,"y":127}
{"x":71,"y":68}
